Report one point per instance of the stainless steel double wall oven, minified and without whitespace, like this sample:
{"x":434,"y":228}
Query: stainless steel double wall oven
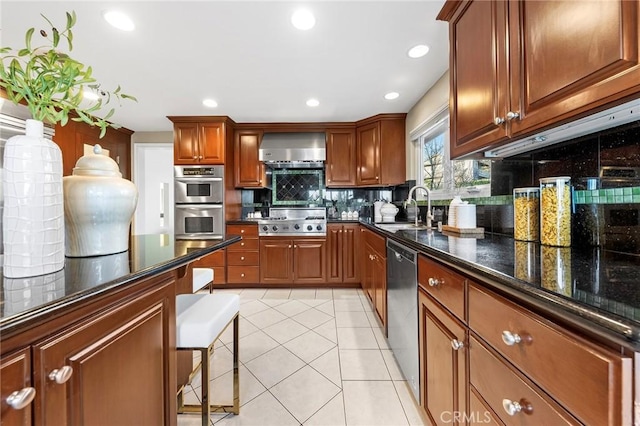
{"x":199,"y":201}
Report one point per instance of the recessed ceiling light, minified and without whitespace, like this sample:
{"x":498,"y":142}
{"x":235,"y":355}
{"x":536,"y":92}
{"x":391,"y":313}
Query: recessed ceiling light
{"x":119,"y":20}
{"x":391,"y":95}
{"x":303,"y":19}
{"x":418,"y":51}
{"x":313,"y":102}
{"x":210,"y":103}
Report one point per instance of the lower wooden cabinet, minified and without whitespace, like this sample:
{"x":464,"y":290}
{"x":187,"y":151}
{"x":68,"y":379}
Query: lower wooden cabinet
{"x":298,"y":261}
{"x":243,"y":258}
{"x":16,"y":387}
{"x":114,"y":365}
{"x":443,"y":363}
{"x":374,"y":271}
{"x":343,"y":265}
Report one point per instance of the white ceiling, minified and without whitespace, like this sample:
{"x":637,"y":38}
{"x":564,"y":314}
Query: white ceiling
{"x":248,"y":57}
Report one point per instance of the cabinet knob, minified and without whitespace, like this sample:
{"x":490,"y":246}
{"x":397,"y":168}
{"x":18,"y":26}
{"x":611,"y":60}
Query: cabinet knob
{"x":514,"y":407}
{"x":200,"y":157}
{"x":512,"y":115}
{"x":295,"y":246}
{"x":242,"y":275}
{"x":434,"y":282}
{"x":289,"y":245}
{"x":20,"y":399}
{"x":340,"y":231}
{"x":61,"y":375}
{"x":241,"y":257}
{"x":510,"y":338}
{"x":457,"y":344}
{"x":242,"y":243}
{"x":498,"y":121}
{"x":242,"y":231}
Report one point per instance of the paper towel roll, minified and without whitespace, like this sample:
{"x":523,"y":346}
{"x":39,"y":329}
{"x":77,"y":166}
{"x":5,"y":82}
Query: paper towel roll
{"x":466,"y":216}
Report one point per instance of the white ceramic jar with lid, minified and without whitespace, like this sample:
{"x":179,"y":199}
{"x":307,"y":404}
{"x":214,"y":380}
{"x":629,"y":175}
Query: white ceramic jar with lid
{"x":388,"y":212}
{"x":98,"y":207}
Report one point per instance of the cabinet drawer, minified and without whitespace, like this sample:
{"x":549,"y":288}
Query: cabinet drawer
{"x":587,"y":379}
{"x":211,"y":260}
{"x":239,"y":258}
{"x":499,"y":385}
{"x":244,"y":230}
{"x":444,"y":285}
{"x":245,"y":244}
{"x":243,"y":274}
{"x":219,"y":275}
{"x":377,"y":242}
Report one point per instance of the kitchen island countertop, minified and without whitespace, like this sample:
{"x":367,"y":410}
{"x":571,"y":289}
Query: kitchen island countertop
{"x":27,"y":300}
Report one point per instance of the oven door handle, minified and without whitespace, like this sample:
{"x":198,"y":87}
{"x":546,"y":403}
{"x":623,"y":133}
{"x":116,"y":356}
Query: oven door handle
{"x":198,"y":180}
{"x":198,"y":206}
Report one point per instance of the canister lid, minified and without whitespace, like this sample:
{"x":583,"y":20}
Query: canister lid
{"x":555,"y":179}
{"x":526,"y":190}
{"x":96,"y":164}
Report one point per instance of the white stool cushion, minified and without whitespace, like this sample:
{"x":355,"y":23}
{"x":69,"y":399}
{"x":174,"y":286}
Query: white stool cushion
{"x":200,"y":318}
{"x":201,"y":277}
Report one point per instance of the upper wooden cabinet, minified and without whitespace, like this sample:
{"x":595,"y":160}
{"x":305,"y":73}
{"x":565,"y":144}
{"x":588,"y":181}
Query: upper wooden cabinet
{"x":380,"y":150}
{"x":520,"y":66}
{"x":250,"y":172}
{"x":198,"y":143}
{"x":340,"y":167}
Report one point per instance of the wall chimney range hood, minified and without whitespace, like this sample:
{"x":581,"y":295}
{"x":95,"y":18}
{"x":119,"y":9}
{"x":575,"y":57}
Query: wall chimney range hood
{"x":612,"y":117}
{"x":293,"y":150}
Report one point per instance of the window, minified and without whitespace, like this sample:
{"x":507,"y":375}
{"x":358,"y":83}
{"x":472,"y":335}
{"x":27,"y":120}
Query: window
{"x":443,"y":176}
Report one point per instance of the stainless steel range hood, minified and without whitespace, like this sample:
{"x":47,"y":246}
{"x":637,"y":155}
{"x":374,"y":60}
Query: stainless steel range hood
{"x":293,"y":150}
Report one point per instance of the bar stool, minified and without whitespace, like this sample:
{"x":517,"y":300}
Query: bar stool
{"x":202,"y":277}
{"x":200,"y":320}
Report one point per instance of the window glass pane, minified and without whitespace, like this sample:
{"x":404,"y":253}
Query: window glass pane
{"x":471,"y":172}
{"x":433,"y":162}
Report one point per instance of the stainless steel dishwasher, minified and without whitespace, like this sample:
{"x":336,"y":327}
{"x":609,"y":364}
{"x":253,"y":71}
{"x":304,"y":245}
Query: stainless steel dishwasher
{"x":402,"y":311}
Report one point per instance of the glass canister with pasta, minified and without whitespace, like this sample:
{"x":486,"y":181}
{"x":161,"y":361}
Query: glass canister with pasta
{"x":526,"y":214}
{"x":555,"y":211}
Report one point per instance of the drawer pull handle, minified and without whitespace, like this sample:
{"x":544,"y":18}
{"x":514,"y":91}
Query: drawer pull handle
{"x":20,"y":399}
{"x":457,"y":344}
{"x":510,"y":338}
{"x":434,"y":282}
{"x":512,"y":115}
{"x":514,"y":407}
{"x":498,"y":121}
{"x":61,"y":375}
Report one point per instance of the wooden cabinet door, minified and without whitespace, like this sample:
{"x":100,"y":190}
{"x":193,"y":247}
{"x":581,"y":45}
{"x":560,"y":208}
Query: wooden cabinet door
{"x":334,"y":253}
{"x":249,"y":170}
{"x":211,"y":143}
{"x":341,"y":158}
{"x":367,"y":273}
{"x":443,"y":362}
{"x":116,"y":356}
{"x":350,"y":254}
{"x":185,"y":143}
{"x":368,"y":154}
{"x":310,"y":265}
{"x":15,"y":371}
{"x":379,"y":284}
{"x":479,"y":80}
{"x":276,"y":261}
{"x":571,"y":56}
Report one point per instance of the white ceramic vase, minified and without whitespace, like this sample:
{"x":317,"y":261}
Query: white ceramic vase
{"x":33,"y":216}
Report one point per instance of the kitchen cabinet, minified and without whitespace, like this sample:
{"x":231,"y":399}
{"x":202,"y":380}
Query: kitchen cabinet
{"x":81,"y":363}
{"x":513,"y":73}
{"x":374,"y":272}
{"x":15,"y":370}
{"x":76,"y":138}
{"x":380,"y":150}
{"x":340,"y":167}
{"x":199,"y":143}
{"x":243,"y":258}
{"x":297,"y":261}
{"x":250,"y":172}
{"x":215,"y":261}
{"x":343,"y":253}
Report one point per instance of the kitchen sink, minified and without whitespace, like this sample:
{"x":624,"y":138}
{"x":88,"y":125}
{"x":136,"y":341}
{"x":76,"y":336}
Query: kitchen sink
{"x":401,"y":226}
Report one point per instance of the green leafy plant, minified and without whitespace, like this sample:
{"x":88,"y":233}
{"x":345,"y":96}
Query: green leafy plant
{"x":51,"y":83}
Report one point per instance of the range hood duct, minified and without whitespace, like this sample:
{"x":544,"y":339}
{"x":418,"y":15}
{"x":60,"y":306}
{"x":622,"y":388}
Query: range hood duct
{"x":293,"y":150}
{"x":612,"y":117}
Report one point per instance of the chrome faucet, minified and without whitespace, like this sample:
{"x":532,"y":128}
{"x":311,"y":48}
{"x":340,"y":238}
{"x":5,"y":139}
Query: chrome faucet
{"x":410,"y":199}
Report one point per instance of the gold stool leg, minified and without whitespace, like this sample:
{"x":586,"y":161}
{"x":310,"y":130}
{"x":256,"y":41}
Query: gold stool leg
{"x":236,"y":372}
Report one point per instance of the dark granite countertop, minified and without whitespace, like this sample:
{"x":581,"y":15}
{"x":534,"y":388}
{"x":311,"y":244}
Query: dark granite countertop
{"x":23,"y":300}
{"x":576,"y":284}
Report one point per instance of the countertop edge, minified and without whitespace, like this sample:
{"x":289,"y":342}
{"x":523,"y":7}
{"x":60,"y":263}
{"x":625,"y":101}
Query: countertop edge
{"x":11,"y":325}
{"x":602,"y":323}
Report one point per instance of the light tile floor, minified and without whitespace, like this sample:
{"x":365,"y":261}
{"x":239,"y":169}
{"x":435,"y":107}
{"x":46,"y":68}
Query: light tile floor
{"x":308,"y":357}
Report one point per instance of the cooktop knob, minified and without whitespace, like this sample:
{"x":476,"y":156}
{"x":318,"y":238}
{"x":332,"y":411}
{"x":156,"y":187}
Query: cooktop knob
{"x":319,"y":227}
{"x":274,"y":227}
{"x":265,"y":228}
{"x":296,"y":226}
{"x":309,"y":227}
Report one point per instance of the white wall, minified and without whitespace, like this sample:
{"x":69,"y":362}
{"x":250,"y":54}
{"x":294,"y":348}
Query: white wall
{"x":423,"y":110}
